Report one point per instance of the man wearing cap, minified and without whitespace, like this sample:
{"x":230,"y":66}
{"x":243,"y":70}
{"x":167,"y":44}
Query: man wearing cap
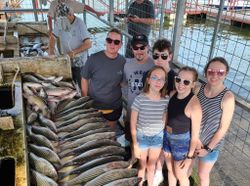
{"x":76,"y":7}
{"x":140,"y":18}
{"x":134,"y":70}
{"x":74,"y":40}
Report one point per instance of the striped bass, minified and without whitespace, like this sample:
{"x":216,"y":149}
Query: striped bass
{"x":60,"y":124}
{"x":87,"y":104}
{"x":92,"y":131}
{"x":88,"y":165}
{"x":45,"y":153}
{"x":39,"y":103}
{"x":112,"y":175}
{"x":75,"y":113}
{"x":86,"y":127}
{"x":79,"y":123}
{"x":96,"y":171}
{"x":47,"y":123}
{"x":74,"y":103}
{"x":93,"y":153}
{"x":89,"y":145}
{"x":43,"y":166}
{"x":134,"y":181}
{"x":41,"y":140}
{"x":105,"y":135}
{"x":32,"y":117}
{"x":41,"y":180}
{"x":45,"y":132}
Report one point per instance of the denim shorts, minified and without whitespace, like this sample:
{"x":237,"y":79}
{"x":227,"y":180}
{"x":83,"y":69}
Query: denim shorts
{"x":176,"y":144}
{"x":146,"y":142}
{"x":210,"y":157}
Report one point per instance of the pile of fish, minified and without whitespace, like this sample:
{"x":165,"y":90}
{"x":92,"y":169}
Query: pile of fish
{"x":69,"y":142}
{"x":30,"y":48}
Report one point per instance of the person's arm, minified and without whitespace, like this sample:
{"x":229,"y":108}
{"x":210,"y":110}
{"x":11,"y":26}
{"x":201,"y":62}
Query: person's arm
{"x":195,"y":113}
{"x":86,"y":44}
{"x":88,"y":8}
{"x":228,"y":105}
{"x":85,"y":86}
{"x":50,"y":25}
{"x":52,"y":42}
{"x":147,"y":21}
{"x":196,"y":117}
{"x":133,"y":122}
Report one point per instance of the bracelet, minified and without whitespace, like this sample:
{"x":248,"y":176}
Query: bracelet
{"x":206,"y":147}
{"x":190,"y":157}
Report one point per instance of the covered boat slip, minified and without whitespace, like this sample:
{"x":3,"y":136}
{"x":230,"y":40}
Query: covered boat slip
{"x":13,"y":144}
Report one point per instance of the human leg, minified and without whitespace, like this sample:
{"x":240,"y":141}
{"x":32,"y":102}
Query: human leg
{"x":179,"y":146}
{"x":169,"y":159}
{"x":142,"y":165}
{"x":181,"y":171}
{"x":172,"y":180}
{"x":151,"y":163}
{"x":158,"y":177}
{"x":205,"y":166}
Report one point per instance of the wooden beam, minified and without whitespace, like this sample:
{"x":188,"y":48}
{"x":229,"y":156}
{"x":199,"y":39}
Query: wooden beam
{"x":50,"y":66}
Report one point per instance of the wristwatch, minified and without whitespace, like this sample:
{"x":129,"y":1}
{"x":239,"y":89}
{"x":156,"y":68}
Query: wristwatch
{"x":207,"y":148}
{"x":190,"y":157}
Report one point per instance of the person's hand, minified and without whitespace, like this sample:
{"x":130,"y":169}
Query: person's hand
{"x":136,"y":151}
{"x":200,"y":152}
{"x":98,"y":14}
{"x":185,"y":162}
{"x":71,"y":54}
{"x":134,"y":19}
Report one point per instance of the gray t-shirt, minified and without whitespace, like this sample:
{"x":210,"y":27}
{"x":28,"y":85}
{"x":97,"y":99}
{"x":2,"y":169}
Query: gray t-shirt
{"x":150,"y":117}
{"x":105,"y":77}
{"x":143,"y":10}
{"x":73,"y":39}
{"x":133,"y":74}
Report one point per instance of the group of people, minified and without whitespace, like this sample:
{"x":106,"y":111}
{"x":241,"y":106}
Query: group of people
{"x":171,"y":118}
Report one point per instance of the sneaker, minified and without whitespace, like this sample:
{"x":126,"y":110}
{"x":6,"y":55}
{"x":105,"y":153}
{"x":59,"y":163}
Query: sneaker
{"x":158,"y":178}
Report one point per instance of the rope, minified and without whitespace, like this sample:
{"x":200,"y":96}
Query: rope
{"x":13,"y":83}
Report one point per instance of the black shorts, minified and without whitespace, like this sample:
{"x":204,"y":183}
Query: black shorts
{"x":113,"y":116}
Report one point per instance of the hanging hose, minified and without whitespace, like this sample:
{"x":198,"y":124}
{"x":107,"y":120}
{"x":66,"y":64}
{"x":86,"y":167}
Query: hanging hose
{"x":13,"y":83}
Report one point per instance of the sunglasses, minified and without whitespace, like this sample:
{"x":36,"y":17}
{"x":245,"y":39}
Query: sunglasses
{"x":163,"y":56}
{"x":184,"y":81}
{"x":212,"y":72}
{"x":155,"y":78}
{"x":137,"y":48}
{"x":109,"y":41}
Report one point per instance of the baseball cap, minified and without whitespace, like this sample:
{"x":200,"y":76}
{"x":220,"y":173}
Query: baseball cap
{"x":139,"y":39}
{"x":64,"y":10}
